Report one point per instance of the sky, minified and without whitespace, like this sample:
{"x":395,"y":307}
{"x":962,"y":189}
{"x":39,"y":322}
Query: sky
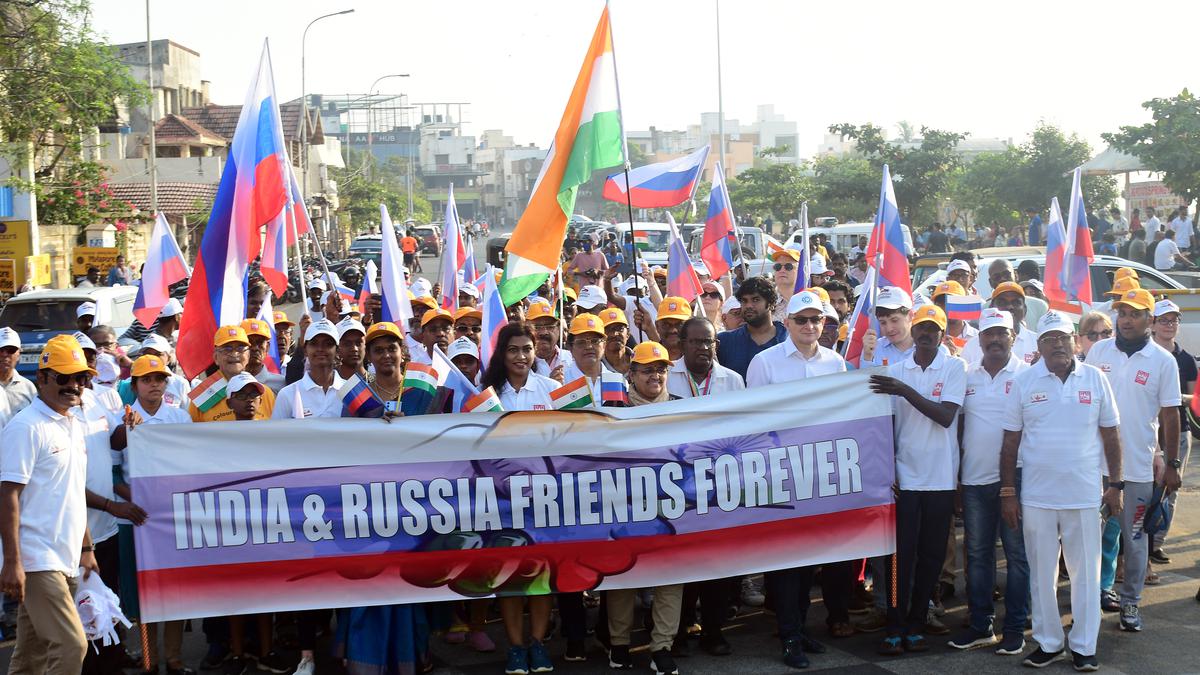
{"x":992,"y":69}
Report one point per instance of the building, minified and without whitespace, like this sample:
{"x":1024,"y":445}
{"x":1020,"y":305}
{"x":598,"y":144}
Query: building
{"x":508,"y":174}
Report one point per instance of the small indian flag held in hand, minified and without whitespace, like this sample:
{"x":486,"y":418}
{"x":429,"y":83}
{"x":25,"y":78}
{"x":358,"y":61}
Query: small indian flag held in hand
{"x":420,"y":386}
{"x":613,"y":388}
{"x":589,"y":138}
{"x":208,"y":393}
{"x":484,"y":401}
{"x":572,"y":395}
{"x":641,"y":239}
{"x":964,"y":307}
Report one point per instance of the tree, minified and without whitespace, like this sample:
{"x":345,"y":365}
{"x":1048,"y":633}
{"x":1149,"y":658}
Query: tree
{"x":367,"y":183}
{"x":906,"y":131}
{"x":846,"y":187}
{"x":1169,"y":144}
{"x":775,"y":190}
{"x":59,"y":82}
{"x":919,"y":175}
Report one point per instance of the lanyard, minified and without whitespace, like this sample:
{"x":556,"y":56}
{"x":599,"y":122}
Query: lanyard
{"x":692,"y":383}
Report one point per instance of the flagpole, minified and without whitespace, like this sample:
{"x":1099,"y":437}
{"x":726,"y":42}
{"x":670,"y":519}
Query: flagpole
{"x":625,"y":154}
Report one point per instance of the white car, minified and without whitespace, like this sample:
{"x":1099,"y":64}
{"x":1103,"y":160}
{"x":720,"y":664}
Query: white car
{"x":42,"y":314}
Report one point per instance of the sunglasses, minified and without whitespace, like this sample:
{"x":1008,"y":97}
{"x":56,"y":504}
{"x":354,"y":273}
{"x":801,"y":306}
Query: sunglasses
{"x":1095,"y":335}
{"x":784,"y":266}
{"x":814,"y":320}
{"x":713,"y":295}
{"x":246,"y":394}
{"x":468,"y":329}
{"x":77,"y":378}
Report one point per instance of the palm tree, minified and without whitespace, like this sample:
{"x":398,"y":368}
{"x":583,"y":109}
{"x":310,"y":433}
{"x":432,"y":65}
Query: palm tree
{"x":907,"y":134}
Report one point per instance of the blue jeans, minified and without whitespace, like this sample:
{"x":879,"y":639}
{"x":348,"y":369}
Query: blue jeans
{"x":981,"y":519}
{"x":1110,"y":548}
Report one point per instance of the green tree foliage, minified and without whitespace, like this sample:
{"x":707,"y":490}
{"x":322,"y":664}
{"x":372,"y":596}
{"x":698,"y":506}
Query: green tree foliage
{"x":367,"y":183}
{"x":919,"y":174}
{"x":80,"y":195}
{"x":590,"y":198}
{"x":1169,"y":143}
{"x":774,"y":190}
{"x":846,"y":187}
{"x":59,"y":81}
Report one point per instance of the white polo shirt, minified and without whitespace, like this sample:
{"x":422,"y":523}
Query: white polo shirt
{"x":927,"y":452}
{"x":984,"y":404}
{"x":1060,"y":425}
{"x":19,"y":391}
{"x":561,"y":357}
{"x":97,"y":429}
{"x":1142,"y":385}
{"x":535,"y":395}
{"x":1024,"y":348}
{"x":720,"y":379}
{"x":317,"y":402}
{"x":46,"y":452}
{"x":784,"y":363}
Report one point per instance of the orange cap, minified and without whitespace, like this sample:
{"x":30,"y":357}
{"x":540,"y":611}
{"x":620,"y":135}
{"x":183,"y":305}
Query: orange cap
{"x":281,"y":317}
{"x":468,"y":311}
{"x":256,"y":327}
{"x":1124,"y":285}
{"x":613,"y":315}
{"x":227,"y":334}
{"x":950,"y":287}
{"x":821,"y":293}
{"x":929,"y":313}
{"x":539,"y":310}
{"x":62,"y":354}
{"x":381,"y":328}
{"x":426,"y":300}
{"x":434,"y":315}
{"x":144,"y":365}
{"x":1138,"y":298}
{"x":587,"y":323}
{"x":1007,"y":287}
{"x":1124,"y":273}
{"x":650,"y":352}
{"x":790,"y":253}
{"x":674,"y":307}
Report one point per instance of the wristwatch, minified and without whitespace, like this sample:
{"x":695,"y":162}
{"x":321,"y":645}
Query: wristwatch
{"x":1175,"y":463}
{"x":1117,"y":484}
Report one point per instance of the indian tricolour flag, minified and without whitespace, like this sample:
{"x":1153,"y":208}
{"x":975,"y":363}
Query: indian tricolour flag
{"x":641,"y":239}
{"x":572,"y":395}
{"x":589,"y":137}
{"x":421,"y":376}
{"x":484,"y":401}
{"x":208,"y":393}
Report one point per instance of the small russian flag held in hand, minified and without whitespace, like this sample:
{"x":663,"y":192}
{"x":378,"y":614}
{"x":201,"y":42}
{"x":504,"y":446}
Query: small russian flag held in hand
{"x":613,"y":388}
{"x":358,"y":399}
{"x":964,"y":307}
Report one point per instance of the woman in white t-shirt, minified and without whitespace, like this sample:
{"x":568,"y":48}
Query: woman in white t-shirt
{"x":510,"y":374}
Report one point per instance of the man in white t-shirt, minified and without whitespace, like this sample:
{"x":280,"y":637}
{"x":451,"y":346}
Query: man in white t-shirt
{"x":1167,"y":253}
{"x":1008,"y":296}
{"x":43,"y":514}
{"x":1182,"y":225}
{"x":1058,"y":415}
{"x":989,"y":383}
{"x":1151,"y":224}
{"x":927,"y":390}
{"x":698,"y":373}
{"x":800,"y":356}
{"x":1145,"y":381}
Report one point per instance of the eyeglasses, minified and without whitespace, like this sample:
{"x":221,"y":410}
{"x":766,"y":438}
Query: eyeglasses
{"x":462,"y":328}
{"x":702,"y":343}
{"x":233,"y":350}
{"x":1166,"y":322}
{"x":543,"y":328}
{"x":652,"y":370}
{"x":801,"y":320}
{"x":1096,"y":335}
{"x":712,"y":296}
{"x":247,"y":394}
{"x":784,"y":266}
{"x":78,"y":378}
{"x":1052,"y":339}
{"x":587,"y":342}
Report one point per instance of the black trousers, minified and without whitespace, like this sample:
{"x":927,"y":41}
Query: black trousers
{"x":108,"y":660}
{"x":573,"y":615}
{"x":714,"y":595}
{"x":923,"y":520}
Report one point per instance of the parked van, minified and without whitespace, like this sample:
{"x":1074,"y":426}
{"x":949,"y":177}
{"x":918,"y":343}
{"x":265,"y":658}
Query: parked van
{"x":845,"y":236}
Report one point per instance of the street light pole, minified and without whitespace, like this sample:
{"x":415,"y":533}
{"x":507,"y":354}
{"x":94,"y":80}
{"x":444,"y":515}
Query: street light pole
{"x":371,"y":112}
{"x":151,"y":117}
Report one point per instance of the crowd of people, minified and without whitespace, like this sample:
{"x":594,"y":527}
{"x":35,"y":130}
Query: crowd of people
{"x":1066,"y":443}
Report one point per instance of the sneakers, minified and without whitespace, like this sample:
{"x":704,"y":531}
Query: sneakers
{"x":915,"y":643}
{"x":237,"y":665}
{"x":892,"y":645}
{"x":480,"y":642}
{"x":1131,"y":618}
{"x":1110,"y":601}
{"x":273,"y":663}
{"x":1041,"y":659}
{"x":662,"y":663}
{"x":1084,"y":664}
{"x":873,"y":623}
{"x":539,"y":659}
{"x":576,"y":651}
{"x":1011,"y":645}
{"x":793,"y":654}
{"x":972,"y":639}
{"x":518,"y":661}
{"x":306,"y":666}
{"x":619,"y":659}
{"x":1158,"y":556}
{"x":752,"y":595}
{"x":933,"y":625}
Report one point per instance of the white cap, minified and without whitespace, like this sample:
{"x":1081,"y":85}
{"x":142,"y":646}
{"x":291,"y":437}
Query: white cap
{"x":421,"y":287}
{"x":802,"y":301}
{"x":156,"y":342}
{"x":462,"y":346}
{"x":469,"y":288}
{"x":591,"y":297}
{"x":1165,"y":307}
{"x":993,"y":317}
{"x":85,"y":309}
{"x":1053,"y":321}
{"x":317,"y":283}
{"x":1036,"y":283}
{"x":238,"y":382}
{"x":730,"y":305}
{"x":84,"y":341}
{"x":711,"y":286}
{"x":322,"y":327}
{"x":919,"y":300}
{"x":817,"y":266}
{"x":346,"y":325}
{"x":9,"y":338}
{"x":172,"y":308}
{"x":107,"y":369}
{"x":891,"y":297}
{"x":829,"y":312}
{"x":958,"y":265}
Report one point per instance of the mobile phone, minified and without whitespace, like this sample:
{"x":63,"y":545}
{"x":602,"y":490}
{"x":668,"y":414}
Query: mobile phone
{"x":390,"y":406}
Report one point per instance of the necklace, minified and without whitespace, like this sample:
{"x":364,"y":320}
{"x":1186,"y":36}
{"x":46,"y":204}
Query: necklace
{"x":385,"y":393}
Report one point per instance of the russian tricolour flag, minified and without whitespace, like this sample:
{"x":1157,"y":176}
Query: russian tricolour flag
{"x":357,"y":398}
{"x":393,"y":287}
{"x":885,"y":250}
{"x":494,"y":316}
{"x":660,"y":185}
{"x":1056,"y":248}
{"x":613,"y":388}
{"x":716,"y":248}
{"x":1078,"y":256}
{"x":682,"y":280}
{"x":272,"y":359}
{"x":964,"y":307}
{"x":452,"y":254}
{"x":165,"y":265}
{"x":252,"y":193}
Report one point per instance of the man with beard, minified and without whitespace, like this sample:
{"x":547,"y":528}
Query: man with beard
{"x":547,"y":331}
{"x":988,"y":386}
{"x":43,"y":514}
{"x":1059,"y":415}
{"x":736,"y":348}
{"x":927,"y":390}
{"x":617,"y":352}
{"x":698,"y":373}
{"x":587,"y":346}
{"x":1008,"y":297}
{"x":436,"y":327}
{"x":1144,"y":379}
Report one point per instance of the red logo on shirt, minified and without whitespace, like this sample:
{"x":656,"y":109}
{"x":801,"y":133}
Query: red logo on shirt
{"x":1142,"y":377}
{"x":1008,"y":388}
{"x":970,"y":391}
{"x":937,"y":389}
{"x":1085,"y":397}
{"x":1029,"y":357}
{"x":1038,"y":398}
{"x":1105,"y":367}
{"x":539,"y":406}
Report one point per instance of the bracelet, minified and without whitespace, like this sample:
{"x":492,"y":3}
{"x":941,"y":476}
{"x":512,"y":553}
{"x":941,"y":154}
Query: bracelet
{"x":88,"y":549}
{"x":1008,"y":491}
{"x":107,"y":503}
